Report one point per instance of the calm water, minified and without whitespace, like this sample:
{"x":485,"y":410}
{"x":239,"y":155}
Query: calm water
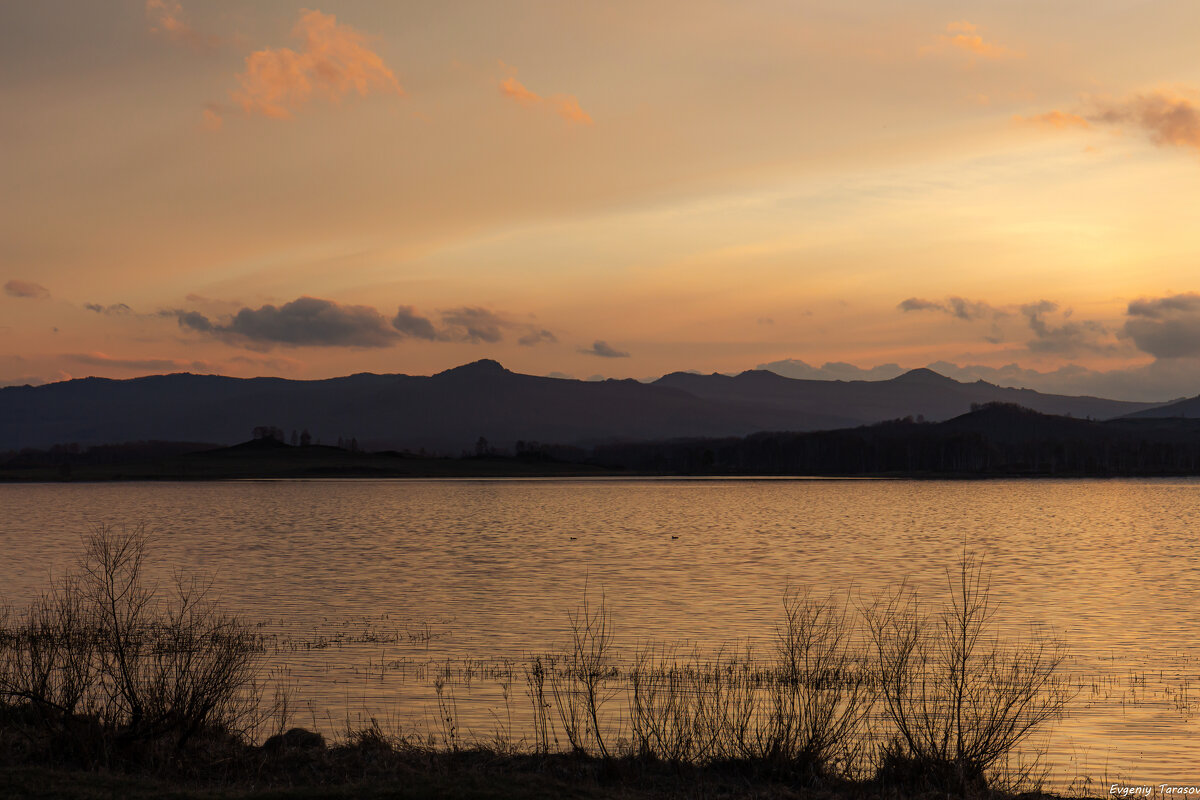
{"x":437,"y":570}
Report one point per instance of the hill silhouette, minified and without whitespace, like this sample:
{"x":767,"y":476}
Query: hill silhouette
{"x":449,"y":411}
{"x":1188,"y":408}
{"x":996,"y":439}
{"x":919,"y":392}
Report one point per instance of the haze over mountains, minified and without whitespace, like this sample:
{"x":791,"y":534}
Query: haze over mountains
{"x":449,"y":411}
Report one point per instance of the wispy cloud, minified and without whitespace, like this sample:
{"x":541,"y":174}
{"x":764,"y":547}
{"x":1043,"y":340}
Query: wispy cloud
{"x":1168,"y":119}
{"x":474,"y":324}
{"x":1056,"y":119}
{"x":1069,"y":338}
{"x":213,"y":117}
{"x":26,"y":290}
{"x":98,"y":359}
{"x":166,"y":18}
{"x":565,"y":105}
{"x":333,"y":62}
{"x":537,"y":336}
{"x":116,"y":309}
{"x":958,"y":307}
{"x":604,"y":350}
{"x":964,"y":37}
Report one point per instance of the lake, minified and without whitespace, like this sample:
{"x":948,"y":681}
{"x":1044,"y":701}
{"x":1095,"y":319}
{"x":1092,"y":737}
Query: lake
{"x":370,"y":588}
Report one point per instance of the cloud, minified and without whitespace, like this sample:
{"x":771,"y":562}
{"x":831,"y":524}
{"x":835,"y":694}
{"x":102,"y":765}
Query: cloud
{"x":26,"y":289}
{"x":1056,"y":119}
{"x":1070,"y":338}
{"x":604,"y":350}
{"x":166,"y":19}
{"x":964,"y":37}
{"x":212,"y":117}
{"x":334,"y":61}
{"x":565,"y":105}
{"x":474,"y":324}
{"x":116,"y":309}
{"x":513,"y":89}
{"x":311,"y":321}
{"x":1166,"y":327}
{"x":1168,"y":120}
{"x":920,"y":304}
{"x":304,"y":322}
{"x":410,"y":324}
{"x":959,"y":307}
{"x":190,"y":320}
{"x":536,"y":337}
{"x":98,"y":359}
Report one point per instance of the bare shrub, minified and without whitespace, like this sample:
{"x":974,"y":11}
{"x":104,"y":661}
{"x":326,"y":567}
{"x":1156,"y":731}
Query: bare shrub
{"x":959,"y":698}
{"x":802,"y":709}
{"x":144,"y":665}
{"x":820,"y":698}
{"x":447,"y":710}
{"x":48,"y":654}
{"x":535,"y":690}
{"x":690,"y":709}
{"x":578,"y":680}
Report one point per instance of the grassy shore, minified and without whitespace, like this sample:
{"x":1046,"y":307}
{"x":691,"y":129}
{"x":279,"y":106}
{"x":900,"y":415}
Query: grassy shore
{"x":357,"y":772}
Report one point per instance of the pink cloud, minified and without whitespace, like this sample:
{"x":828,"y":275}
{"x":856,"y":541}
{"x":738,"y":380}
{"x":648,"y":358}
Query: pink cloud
{"x":965,"y":36}
{"x":333,"y":61}
{"x":1056,"y":119}
{"x":166,"y":19}
{"x":565,"y":105}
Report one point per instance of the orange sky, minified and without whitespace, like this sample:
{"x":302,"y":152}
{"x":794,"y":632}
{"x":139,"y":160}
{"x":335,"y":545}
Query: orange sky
{"x":619,"y":189}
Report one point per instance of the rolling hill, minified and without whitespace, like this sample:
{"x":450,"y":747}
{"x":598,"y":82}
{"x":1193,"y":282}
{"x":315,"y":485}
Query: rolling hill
{"x":449,"y":411}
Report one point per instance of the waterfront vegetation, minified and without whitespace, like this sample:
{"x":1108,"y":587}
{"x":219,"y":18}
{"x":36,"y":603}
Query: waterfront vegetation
{"x":108,"y":677}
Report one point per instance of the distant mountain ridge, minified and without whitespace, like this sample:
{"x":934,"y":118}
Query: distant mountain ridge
{"x":449,"y":411}
{"x":1188,"y":408}
{"x":918,"y":392}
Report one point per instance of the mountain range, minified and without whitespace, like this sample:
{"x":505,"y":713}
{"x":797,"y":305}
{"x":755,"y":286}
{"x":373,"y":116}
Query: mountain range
{"x":449,"y":412}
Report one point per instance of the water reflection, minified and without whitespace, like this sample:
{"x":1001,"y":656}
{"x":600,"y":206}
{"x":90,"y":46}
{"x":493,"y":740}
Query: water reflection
{"x":493,"y":565}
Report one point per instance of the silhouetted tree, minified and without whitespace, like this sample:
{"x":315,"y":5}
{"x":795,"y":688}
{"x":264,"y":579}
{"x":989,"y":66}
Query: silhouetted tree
{"x":305,"y":438}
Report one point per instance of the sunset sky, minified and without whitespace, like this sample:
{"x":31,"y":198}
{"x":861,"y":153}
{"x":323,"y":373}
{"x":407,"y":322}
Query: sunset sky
{"x":1001,"y":190}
